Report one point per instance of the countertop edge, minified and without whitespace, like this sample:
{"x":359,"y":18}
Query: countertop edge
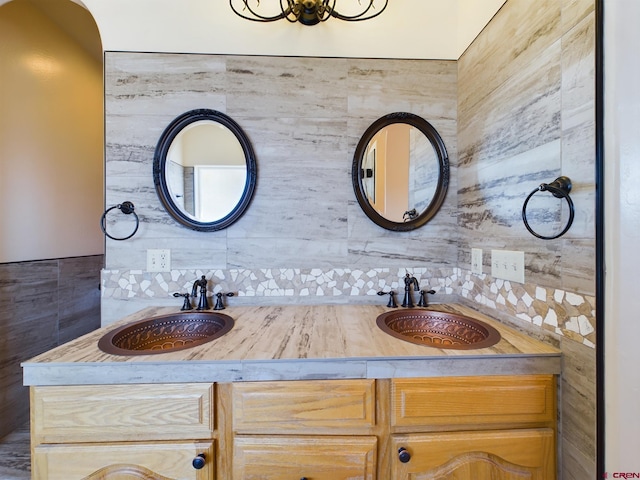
{"x":220,"y":371}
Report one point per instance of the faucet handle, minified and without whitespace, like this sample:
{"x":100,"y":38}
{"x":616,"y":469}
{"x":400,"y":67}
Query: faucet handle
{"x":423,"y":300}
{"x":187,"y":303}
{"x":219,"y":304}
{"x":392,"y":299}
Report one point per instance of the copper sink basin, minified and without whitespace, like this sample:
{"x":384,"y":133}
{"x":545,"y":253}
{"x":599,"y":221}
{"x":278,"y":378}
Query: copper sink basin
{"x":438,"y":329}
{"x":166,"y":333}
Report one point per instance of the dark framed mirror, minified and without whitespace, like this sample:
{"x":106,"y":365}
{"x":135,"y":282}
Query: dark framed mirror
{"x":400,"y":171}
{"x":204,"y":170}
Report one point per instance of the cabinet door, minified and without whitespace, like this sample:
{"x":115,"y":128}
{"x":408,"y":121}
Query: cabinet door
{"x":162,"y":461}
{"x":495,"y":455}
{"x":313,"y":458}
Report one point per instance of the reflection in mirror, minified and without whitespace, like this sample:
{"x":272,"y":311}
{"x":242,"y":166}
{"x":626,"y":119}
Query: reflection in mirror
{"x":410,"y":182}
{"x":400,"y":171}
{"x":204,"y":170}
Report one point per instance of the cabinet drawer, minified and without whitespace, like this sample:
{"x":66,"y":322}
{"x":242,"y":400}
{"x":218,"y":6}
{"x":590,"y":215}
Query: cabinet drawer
{"x":317,"y":458}
{"x":99,"y":413}
{"x":161,"y":461}
{"x":290,"y":407}
{"x":473,"y":401}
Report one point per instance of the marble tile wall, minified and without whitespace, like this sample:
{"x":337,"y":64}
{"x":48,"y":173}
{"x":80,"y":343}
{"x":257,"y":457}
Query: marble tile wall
{"x":525,"y":116}
{"x":43,"y":303}
{"x":304,"y":117}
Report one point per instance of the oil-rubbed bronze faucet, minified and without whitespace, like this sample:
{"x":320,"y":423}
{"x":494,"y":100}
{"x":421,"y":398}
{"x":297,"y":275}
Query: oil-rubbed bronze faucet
{"x":408,"y":282}
{"x":203,"y":303}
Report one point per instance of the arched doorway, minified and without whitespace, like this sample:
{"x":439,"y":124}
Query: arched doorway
{"x":51,"y":185}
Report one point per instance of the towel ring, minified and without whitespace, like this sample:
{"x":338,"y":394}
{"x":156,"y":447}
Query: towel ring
{"x":125,"y":207}
{"x":560,"y":188}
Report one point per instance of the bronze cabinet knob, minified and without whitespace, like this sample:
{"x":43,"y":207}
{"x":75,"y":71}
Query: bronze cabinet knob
{"x":199,"y":461}
{"x":403,"y":455}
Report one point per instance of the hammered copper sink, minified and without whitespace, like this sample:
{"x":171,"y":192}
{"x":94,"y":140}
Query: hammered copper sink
{"x":438,"y":329}
{"x":166,"y":333}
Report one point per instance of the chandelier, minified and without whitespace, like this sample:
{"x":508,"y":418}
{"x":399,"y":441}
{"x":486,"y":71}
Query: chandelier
{"x":307,"y":12}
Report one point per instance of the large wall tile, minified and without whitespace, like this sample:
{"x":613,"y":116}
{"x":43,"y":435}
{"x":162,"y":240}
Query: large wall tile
{"x":578,"y":407}
{"x":78,"y":296}
{"x":161,"y":84}
{"x":43,"y":303}
{"x":303,"y":117}
{"x":426,"y":88}
{"x":274,"y":87}
{"x":514,"y":39}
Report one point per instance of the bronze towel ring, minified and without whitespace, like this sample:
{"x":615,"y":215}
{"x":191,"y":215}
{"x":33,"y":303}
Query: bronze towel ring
{"x":125,"y":207}
{"x":560,"y":188}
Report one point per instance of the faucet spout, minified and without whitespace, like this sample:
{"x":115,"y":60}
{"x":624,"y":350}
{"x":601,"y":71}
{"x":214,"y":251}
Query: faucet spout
{"x":409,"y":281}
{"x":203,"y":303}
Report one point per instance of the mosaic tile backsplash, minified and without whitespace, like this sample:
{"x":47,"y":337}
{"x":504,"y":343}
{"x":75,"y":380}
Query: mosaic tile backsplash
{"x":565,"y":313}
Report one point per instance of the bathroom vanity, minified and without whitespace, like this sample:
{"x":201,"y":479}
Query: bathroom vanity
{"x":315,"y":392}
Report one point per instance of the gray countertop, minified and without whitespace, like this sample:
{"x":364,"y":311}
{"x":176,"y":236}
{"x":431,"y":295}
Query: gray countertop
{"x":297,"y":342}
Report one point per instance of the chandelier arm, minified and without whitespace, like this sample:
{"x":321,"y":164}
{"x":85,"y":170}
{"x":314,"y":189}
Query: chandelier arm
{"x":290,"y":10}
{"x":360,"y":16}
{"x":325,"y":11}
{"x":258,"y":17}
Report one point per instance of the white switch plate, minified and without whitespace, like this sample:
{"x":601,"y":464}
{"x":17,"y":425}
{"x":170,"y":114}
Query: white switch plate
{"x":476,"y":260}
{"x":508,"y":265}
{"x":158,"y":260}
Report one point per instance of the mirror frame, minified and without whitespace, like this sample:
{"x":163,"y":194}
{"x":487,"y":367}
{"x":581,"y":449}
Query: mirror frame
{"x":443,"y":181}
{"x":160,"y":160}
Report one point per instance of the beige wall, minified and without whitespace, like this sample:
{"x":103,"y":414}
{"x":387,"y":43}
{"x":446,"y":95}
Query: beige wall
{"x":51,"y":140}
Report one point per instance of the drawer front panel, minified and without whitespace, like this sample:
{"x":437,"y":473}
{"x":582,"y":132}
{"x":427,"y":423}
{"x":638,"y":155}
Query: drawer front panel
{"x":473,"y":401}
{"x":317,"y":458}
{"x":122,"y":412}
{"x":162,"y":461}
{"x":282,"y":407}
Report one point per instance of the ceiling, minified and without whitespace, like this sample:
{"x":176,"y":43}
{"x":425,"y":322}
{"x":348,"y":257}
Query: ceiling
{"x":425,"y":29}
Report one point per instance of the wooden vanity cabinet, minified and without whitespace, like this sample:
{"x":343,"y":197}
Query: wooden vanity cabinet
{"x":121,"y":432}
{"x":454,"y":428}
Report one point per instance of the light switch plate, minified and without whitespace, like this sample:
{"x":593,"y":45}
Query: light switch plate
{"x":508,"y":265}
{"x":158,"y":260}
{"x":476,"y":260}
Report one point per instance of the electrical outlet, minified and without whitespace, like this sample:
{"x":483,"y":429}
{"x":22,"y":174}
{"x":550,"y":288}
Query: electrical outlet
{"x":158,"y":260}
{"x":476,"y":261}
{"x":508,"y":265}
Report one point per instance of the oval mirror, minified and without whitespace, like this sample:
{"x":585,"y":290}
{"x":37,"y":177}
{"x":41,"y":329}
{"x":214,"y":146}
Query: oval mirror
{"x":204,"y":170}
{"x":400,"y":171}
